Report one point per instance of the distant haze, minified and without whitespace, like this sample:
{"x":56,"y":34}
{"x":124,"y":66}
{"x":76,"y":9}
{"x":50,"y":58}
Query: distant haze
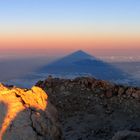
{"x":15,"y":68}
{"x":112,"y":55}
{"x":36,"y":32}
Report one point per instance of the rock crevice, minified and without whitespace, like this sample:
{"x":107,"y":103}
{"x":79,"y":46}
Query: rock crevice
{"x":25,"y":115}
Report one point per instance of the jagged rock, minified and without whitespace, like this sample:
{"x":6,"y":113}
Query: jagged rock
{"x":127,"y":135}
{"x":129,"y":91}
{"x":136,"y":94}
{"x":93,"y":109}
{"x":120,"y":91}
{"x":27,"y":115}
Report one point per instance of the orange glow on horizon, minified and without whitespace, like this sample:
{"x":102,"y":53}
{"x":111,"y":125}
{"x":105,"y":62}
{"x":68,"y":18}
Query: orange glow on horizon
{"x":69,"y":41}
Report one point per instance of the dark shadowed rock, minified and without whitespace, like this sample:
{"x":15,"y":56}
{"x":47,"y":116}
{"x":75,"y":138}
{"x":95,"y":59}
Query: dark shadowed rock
{"x":93,"y":109}
{"x":127,"y":135}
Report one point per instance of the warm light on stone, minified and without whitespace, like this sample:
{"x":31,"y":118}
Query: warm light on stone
{"x":23,"y":113}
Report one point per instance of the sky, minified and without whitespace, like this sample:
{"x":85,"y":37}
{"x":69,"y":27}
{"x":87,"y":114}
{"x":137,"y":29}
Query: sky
{"x":57,"y":27}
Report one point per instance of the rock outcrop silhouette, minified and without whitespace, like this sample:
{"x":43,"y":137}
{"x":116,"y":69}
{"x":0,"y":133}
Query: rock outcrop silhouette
{"x":27,"y":115}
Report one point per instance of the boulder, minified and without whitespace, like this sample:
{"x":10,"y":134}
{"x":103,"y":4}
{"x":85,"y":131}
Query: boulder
{"x":136,"y":94}
{"x":27,"y":115}
{"x":121,"y":91}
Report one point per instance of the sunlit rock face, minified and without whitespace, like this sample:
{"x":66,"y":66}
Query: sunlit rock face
{"x":27,"y":115}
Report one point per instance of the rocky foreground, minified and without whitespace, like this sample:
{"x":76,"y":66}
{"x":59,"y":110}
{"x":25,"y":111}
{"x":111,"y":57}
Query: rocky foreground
{"x":89,"y":109}
{"x":92,"y":109}
{"x":27,"y":115}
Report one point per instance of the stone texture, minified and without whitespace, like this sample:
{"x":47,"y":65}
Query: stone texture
{"x":27,"y":115}
{"x":92,"y":109}
{"x":127,"y":135}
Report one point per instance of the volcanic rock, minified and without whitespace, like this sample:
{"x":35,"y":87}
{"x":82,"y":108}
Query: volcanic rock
{"x":27,"y":115}
{"x":127,"y":135}
{"x":93,"y":109}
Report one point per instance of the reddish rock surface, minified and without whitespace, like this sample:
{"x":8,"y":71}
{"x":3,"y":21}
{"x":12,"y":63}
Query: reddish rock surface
{"x":93,"y":109}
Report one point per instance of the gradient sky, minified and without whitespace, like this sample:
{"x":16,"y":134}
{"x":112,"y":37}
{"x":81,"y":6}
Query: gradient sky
{"x":101,"y":27}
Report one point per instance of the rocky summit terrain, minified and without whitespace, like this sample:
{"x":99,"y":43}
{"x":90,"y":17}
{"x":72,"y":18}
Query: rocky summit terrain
{"x":27,"y":115}
{"x":93,"y":109}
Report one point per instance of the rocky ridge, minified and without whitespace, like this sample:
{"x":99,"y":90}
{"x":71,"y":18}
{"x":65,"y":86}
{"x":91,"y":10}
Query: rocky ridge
{"x":27,"y":115}
{"x":93,"y":109}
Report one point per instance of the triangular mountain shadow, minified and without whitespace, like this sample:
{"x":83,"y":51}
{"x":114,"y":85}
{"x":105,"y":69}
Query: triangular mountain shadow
{"x":80,"y":63}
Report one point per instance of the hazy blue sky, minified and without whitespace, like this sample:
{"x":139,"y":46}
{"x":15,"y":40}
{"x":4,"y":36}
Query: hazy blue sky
{"x":40,"y":11}
{"x":66,"y":25}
